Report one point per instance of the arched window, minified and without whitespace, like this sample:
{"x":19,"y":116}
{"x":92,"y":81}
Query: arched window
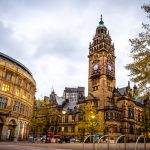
{"x":131,"y":130}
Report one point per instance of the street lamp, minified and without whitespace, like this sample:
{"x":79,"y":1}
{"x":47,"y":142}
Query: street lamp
{"x":92,"y":116}
{"x":63,"y":114}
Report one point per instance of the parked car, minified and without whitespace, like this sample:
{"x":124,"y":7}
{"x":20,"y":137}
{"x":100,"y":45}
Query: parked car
{"x":74,"y":140}
{"x":30,"y":138}
{"x":60,"y":140}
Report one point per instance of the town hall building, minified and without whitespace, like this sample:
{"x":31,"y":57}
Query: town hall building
{"x":120,"y":110}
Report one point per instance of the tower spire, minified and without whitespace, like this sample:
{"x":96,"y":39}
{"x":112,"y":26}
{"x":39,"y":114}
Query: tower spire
{"x":101,"y":17}
{"x":101,"y":22}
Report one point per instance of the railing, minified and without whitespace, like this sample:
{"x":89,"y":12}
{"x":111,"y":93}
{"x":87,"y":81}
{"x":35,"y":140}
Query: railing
{"x":119,"y":139}
{"x":85,"y":141}
{"x":116,"y":143}
{"x":101,"y":139}
{"x":136,"y":145}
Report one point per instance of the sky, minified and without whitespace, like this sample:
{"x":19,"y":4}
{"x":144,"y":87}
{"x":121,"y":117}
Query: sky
{"x":51,"y":37}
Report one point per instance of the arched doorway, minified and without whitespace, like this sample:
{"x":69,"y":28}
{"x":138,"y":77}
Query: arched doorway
{"x":1,"y":127}
{"x":11,"y":130}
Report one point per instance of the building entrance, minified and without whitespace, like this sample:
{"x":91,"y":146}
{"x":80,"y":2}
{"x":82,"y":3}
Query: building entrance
{"x":1,"y":127}
{"x":11,"y":130}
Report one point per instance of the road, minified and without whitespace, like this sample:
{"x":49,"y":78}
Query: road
{"x":67,"y":146}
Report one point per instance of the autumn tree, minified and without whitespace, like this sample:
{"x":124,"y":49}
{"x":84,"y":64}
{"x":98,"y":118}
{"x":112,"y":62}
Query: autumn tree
{"x":89,"y":120}
{"x":140,"y":68}
{"x":42,"y":117}
{"x":140,"y":52}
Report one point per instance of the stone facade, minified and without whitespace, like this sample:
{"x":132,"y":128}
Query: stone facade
{"x":119,"y":111}
{"x":17,"y":95}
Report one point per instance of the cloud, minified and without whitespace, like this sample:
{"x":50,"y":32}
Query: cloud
{"x":52,"y":37}
{"x":8,"y":43}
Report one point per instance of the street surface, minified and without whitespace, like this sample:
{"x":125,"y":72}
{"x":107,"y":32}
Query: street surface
{"x":65,"y":146}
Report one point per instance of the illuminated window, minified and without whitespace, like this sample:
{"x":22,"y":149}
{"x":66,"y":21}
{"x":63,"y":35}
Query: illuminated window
{"x":18,"y":92}
{"x":24,"y":94}
{"x":5,"y":87}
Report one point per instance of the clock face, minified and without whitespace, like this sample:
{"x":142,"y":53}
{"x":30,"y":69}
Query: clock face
{"x":96,"y":67}
{"x":109,"y":67}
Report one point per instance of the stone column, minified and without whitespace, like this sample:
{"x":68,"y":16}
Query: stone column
{"x":5,"y":132}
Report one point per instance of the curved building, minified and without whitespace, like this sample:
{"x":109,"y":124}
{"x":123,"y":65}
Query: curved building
{"x":17,"y":95}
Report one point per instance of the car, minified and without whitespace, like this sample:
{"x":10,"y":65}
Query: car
{"x":74,"y":140}
{"x":30,"y":138}
{"x":60,"y":140}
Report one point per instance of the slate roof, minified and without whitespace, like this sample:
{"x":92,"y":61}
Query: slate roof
{"x":122,"y":91}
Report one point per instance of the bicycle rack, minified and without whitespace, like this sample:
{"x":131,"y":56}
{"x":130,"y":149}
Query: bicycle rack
{"x":85,"y":141}
{"x":136,"y":146}
{"x":119,"y":139}
{"x":101,"y":139}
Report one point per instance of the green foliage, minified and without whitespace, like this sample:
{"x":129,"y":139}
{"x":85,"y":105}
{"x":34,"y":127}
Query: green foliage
{"x":140,"y":68}
{"x":90,"y":121}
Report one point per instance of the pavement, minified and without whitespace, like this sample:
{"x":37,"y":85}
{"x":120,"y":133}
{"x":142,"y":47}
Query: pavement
{"x":67,"y":146}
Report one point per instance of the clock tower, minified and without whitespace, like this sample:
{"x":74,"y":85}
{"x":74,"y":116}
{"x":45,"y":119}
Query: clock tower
{"x":101,"y":80}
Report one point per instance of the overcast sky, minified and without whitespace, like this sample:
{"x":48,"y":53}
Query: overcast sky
{"x":51,"y":37}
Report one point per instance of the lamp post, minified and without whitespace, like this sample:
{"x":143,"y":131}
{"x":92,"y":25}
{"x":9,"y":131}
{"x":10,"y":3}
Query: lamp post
{"x":63,"y":114}
{"x":93,"y":116}
{"x":92,"y":122}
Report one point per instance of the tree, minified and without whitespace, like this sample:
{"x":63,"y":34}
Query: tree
{"x":140,"y":52}
{"x":42,"y":117}
{"x":140,"y":68}
{"x":89,"y":120}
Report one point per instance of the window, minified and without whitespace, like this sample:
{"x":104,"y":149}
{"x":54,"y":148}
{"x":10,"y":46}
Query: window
{"x":24,"y":95}
{"x":3,"y":102}
{"x":96,"y":103}
{"x":17,"y":91}
{"x":139,"y":117}
{"x":107,"y":115}
{"x":26,"y":110}
{"x":22,"y":107}
{"x":66,"y":118}
{"x":111,"y":115}
{"x":5,"y":87}
{"x":130,"y":113}
{"x":66,"y":129}
{"x":19,"y":81}
{"x":16,"y":106}
{"x":8,"y":75}
{"x":131,"y":130}
{"x":72,"y":129}
{"x":73,"y":117}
